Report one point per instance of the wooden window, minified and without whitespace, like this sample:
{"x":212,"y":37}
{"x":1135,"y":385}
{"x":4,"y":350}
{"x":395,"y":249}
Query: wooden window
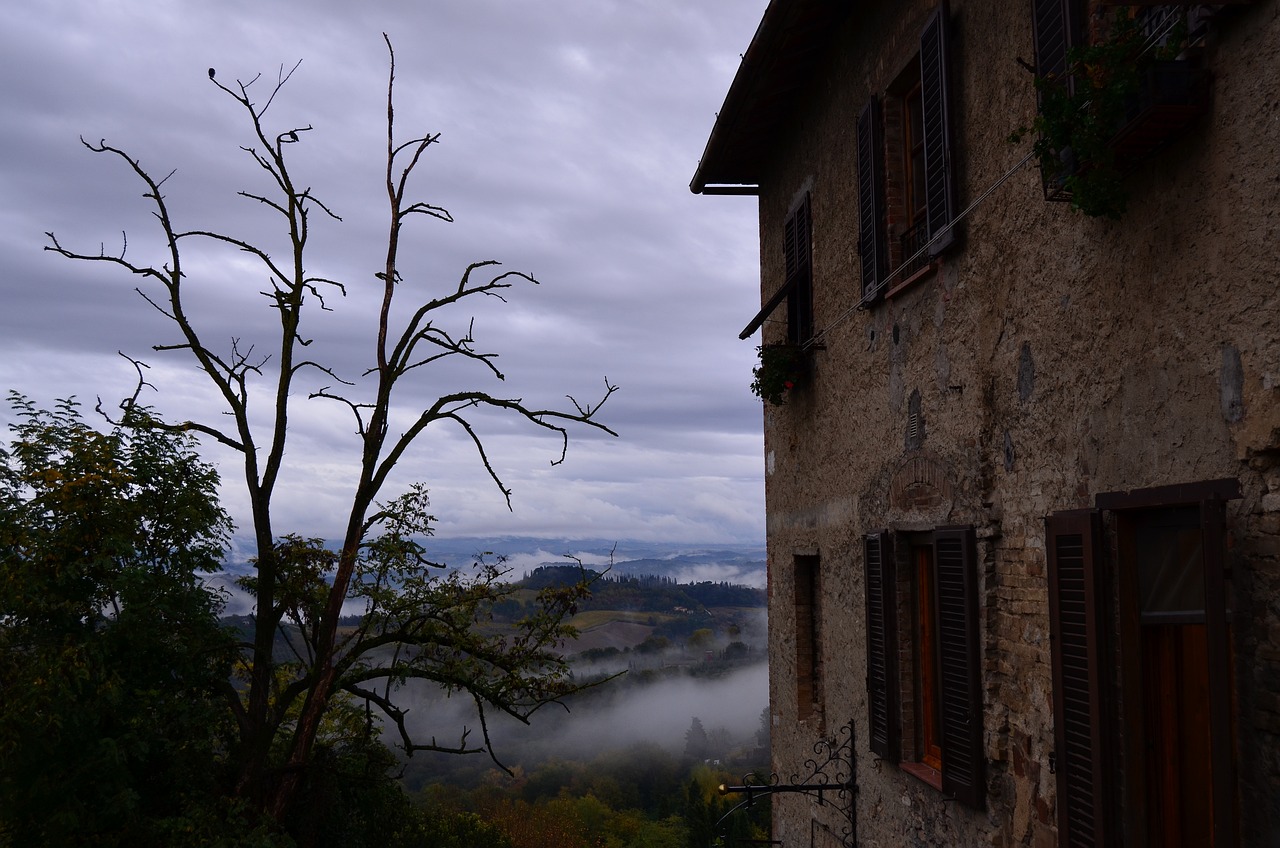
{"x":797,"y":283}
{"x":915,"y":205}
{"x":797,"y":251}
{"x":1158,"y":732}
{"x":960,"y":682}
{"x":808,"y":647}
{"x":935,"y":105}
{"x":930,"y":712}
{"x":1077,"y":640}
{"x":882,"y":645}
{"x":944,"y":660}
{"x":1176,"y":679}
{"x":872,"y":240}
{"x":1055,"y":30}
{"x":916,"y":200}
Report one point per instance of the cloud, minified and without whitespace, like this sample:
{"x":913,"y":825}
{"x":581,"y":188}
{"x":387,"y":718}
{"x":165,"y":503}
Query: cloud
{"x":567,"y":141}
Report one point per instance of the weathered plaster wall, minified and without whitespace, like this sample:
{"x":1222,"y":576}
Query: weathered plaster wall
{"x":1052,"y":357}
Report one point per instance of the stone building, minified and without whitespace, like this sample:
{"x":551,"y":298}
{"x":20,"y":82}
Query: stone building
{"x":1024,"y":491}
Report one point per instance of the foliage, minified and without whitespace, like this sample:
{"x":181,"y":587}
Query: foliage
{"x":113,"y":665}
{"x":781,"y":368}
{"x":641,"y":796}
{"x":645,"y":593}
{"x":711,"y":817}
{"x":696,"y":745}
{"x":419,"y":624}
{"x":1081,"y":111}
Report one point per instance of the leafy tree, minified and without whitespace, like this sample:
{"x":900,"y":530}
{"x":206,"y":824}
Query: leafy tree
{"x":701,"y":639}
{"x":418,"y":625}
{"x":113,"y":665}
{"x":696,"y":744}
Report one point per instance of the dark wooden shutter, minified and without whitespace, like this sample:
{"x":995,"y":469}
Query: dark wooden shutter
{"x":935,"y":102}
{"x":1052,"y":25}
{"x":872,"y":237}
{"x":797,"y":250}
{"x":1077,"y":639}
{"x":1221,"y":684}
{"x":960,"y":683}
{"x":882,"y":645}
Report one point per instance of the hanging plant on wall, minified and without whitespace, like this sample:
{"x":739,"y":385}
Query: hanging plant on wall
{"x":1082,"y":112}
{"x":780,"y":370}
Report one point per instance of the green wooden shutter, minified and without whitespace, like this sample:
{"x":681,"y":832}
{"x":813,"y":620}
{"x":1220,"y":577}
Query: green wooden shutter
{"x":960,"y":683}
{"x":1077,"y":640}
{"x":882,"y":645}
{"x":872,"y":236}
{"x":939,"y":175}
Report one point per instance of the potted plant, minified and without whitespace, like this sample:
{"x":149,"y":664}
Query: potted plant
{"x":1111,"y":107}
{"x":781,"y":368}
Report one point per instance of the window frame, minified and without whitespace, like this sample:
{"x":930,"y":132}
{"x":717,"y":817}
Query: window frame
{"x":874,"y":155}
{"x":1094,"y":627}
{"x":807,"y":596}
{"x":797,"y":253}
{"x":954,"y":634}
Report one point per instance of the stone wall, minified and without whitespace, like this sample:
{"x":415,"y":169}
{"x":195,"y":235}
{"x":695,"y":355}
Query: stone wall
{"x":1050,"y":357}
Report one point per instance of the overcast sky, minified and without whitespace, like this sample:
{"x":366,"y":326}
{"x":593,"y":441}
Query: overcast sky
{"x":569,"y":132}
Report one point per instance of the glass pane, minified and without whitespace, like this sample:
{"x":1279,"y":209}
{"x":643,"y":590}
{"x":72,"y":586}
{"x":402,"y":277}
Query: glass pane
{"x":1170,"y":559}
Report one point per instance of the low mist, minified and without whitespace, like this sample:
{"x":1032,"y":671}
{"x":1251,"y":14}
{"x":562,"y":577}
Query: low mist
{"x":622,"y":713}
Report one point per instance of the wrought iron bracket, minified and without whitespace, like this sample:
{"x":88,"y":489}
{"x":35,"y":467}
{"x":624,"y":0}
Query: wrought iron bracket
{"x":831,"y":771}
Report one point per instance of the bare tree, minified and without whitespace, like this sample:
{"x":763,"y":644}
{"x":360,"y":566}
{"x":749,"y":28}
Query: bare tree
{"x":418,"y":621}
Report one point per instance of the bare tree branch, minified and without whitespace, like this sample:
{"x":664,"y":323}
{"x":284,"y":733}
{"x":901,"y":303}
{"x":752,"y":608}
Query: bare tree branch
{"x":419,"y":621}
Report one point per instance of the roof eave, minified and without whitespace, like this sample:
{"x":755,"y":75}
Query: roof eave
{"x":779,"y":60}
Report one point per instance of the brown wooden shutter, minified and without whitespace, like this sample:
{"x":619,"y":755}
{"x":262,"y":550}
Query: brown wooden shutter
{"x":882,"y":645}
{"x":797,"y":251}
{"x":1221,"y":683}
{"x":960,"y":683}
{"x":1053,"y":26}
{"x":940,"y":193}
{"x":1077,"y":639}
{"x":872,"y":237}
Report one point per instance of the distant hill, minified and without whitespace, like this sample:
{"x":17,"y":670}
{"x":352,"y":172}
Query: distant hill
{"x":741,"y":565}
{"x":645,"y":592}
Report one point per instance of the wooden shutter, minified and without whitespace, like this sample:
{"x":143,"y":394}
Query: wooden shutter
{"x":1053,"y":27}
{"x":1077,"y":639}
{"x":935,"y":102}
{"x":872,"y":237}
{"x":797,"y":251}
{"x":960,"y":683}
{"x":1221,"y":682}
{"x":882,"y":645}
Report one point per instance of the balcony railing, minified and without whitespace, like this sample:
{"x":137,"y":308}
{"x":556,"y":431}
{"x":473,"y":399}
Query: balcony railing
{"x":1171,"y":94}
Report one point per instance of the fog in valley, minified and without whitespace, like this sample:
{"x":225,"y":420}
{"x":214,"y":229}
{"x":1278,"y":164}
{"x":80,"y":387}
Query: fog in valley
{"x":657,"y":672}
{"x":621,"y":713}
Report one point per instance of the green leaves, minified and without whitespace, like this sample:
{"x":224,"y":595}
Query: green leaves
{"x":1081,"y":112}
{"x":780,"y":370}
{"x":112,"y":661}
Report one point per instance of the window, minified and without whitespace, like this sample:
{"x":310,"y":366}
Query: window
{"x":1055,"y":24}
{"x":923,"y":680}
{"x":906,"y":187}
{"x":1141,"y":585}
{"x":797,"y":285}
{"x":797,"y":248}
{"x":926,"y":657}
{"x":808,"y":647}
